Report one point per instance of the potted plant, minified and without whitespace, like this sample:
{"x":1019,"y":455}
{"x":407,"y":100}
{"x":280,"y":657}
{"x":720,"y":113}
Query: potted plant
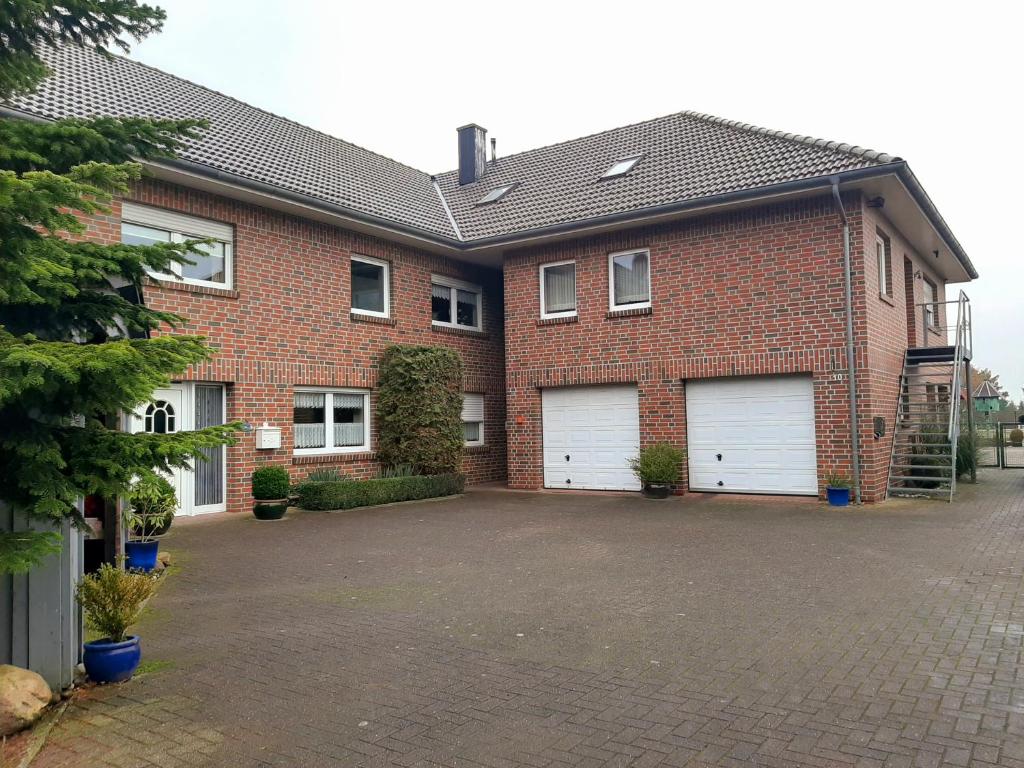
{"x":112,"y":599}
{"x":1016,"y":437}
{"x":270,"y":485}
{"x":657,"y":467}
{"x":837,"y":488}
{"x":147,"y":515}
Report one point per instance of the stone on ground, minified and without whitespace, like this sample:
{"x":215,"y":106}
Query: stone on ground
{"x":23,"y":697}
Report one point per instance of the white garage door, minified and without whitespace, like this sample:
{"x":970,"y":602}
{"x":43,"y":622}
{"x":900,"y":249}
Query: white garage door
{"x":590,"y":433}
{"x":752,"y":435}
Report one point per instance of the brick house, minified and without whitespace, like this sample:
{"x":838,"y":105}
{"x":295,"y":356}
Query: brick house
{"x":677,"y":280}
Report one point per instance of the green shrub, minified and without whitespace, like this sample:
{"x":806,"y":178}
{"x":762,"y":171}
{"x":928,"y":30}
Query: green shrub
{"x":966,"y":455}
{"x":419,"y":408}
{"x":270,"y":482}
{"x":322,"y":475}
{"x":346,"y":494}
{"x":658,"y":463}
{"x":112,"y":600}
{"x":398,"y":470}
{"x":1016,"y":438}
{"x":150,"y":507}
{"x":837,"y":480}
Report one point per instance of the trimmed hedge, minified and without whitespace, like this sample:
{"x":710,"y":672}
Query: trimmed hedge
{"x":346,"y":494}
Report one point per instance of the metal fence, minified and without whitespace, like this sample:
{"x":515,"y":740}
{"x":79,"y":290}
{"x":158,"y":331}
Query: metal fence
{"x":1010,"y":445}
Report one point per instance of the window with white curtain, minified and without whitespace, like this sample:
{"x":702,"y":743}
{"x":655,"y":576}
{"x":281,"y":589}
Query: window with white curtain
{"x":558,"y":289}
{"x":370,"y":289}
{"x":473,"y":418}
{"x":629,"y":280}
{"x":454,"y":303}
{"x":331,"y":421}
{"x":143,"y":225}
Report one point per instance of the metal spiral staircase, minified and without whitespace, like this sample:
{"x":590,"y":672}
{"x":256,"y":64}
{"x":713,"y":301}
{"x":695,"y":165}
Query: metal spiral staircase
{"x":927,"y":426}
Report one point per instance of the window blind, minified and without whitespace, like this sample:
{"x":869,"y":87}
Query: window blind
{"x":560,"y":288}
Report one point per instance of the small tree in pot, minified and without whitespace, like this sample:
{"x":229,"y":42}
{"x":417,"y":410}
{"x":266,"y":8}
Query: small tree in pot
{"x":270,"y":485}
{"x":658,"y":466}
{"x":112,"y":600}
{"x":147,"y":515}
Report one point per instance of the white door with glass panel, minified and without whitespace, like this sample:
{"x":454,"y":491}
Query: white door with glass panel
{"x":182,"y":408}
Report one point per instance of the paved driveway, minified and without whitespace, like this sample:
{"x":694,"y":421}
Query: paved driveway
{"x":523,"y":629}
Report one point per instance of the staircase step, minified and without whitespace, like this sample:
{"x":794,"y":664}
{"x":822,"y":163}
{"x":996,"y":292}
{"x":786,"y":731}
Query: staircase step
{"x":944,"y":467}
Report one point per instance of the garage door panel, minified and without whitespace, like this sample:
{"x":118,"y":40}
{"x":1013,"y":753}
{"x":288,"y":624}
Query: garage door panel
{"x":598,"y":428}
{"x":763,"y":429}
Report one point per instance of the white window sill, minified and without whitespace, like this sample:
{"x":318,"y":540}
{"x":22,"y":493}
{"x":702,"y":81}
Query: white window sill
{"x":174,"y":280}
{"x":456,"y":326}
{"x":557,"y":315}
{"x":369,"y":313}
{"x":627,"y":307}
{"x":330,"y":451}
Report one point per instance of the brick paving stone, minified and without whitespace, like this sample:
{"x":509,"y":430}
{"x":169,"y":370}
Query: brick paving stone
{"x":560,"y":631}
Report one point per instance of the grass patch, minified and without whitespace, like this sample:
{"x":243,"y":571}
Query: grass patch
{"x":154,"y":667}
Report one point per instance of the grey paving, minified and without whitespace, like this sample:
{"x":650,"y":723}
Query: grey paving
{"x":523,"y":629}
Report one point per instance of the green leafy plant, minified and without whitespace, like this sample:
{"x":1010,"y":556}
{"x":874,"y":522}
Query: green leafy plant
{"x":1016,"y":438}
{"x":837,"y":480}
{"x":270,"y":482}
{"x":324,"y":475}
{"x":112,"y":600}
{"x":658,"y":463}
{"x":419,"y":408}
{"x":150,"y":506}
{"x":74,"y":351}
{"x":347,"y":494}
{"x":398,"y":470}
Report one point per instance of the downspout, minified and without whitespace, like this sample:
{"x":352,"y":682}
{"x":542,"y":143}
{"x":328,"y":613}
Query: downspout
{"x":850,"y":353}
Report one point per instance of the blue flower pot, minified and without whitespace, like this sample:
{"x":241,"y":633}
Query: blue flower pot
{"x":107,"y":662}
{"x":141,"y":555}
{"x":838,"y":497}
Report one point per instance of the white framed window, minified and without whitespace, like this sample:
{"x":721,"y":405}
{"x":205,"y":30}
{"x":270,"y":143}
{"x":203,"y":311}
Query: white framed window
{"x":884,"y":260}
{"x":629,"y":279}
{"x":143,"y":225}
{"x":558,"y":289}
{"x":455,"y":304}
{"x":331,"y":420}
{"x":473,"y":418}
{"x":370,"y":283}
{"x":931,"y":308}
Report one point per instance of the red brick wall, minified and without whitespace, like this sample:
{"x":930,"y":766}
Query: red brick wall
{"x":891,"y":323}
{"x":287,"y":323}
{"x":753,"y":292}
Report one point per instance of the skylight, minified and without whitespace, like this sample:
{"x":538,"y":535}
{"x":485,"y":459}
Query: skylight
{"x":621,"y":167}
{"x":495,"y":194}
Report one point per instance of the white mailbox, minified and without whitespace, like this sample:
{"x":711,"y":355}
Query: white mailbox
{"x":268,"y":438}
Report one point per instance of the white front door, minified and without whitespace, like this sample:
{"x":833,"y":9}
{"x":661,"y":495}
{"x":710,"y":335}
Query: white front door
{"x":180,"y":408}
{"x":752,"y":434}
{"x":590,"y":433}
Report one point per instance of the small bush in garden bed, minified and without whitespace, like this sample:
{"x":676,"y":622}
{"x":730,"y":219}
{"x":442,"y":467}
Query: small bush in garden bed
{"x":346,"y":494}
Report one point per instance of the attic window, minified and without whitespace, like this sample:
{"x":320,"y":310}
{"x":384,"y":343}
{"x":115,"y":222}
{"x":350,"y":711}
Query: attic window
{"x":621,"y":167}
{"x":495,"y":194}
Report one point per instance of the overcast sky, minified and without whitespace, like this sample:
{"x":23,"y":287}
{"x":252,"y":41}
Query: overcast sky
{"x":939,"y":84}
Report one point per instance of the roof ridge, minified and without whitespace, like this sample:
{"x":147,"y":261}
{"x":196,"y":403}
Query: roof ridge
{"x":237,"y":100}
{"x":848,"y":149}
{"x":581,"y":138}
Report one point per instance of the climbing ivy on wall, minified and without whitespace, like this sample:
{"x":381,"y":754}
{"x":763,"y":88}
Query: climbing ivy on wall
{"x":419,"y":408}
